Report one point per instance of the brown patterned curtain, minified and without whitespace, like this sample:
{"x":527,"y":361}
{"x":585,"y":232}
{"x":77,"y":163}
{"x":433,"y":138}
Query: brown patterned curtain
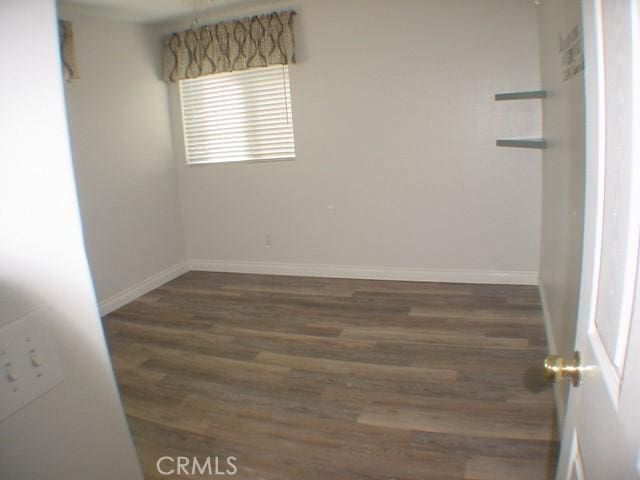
{"x":253,"y":42}
{"x":67,"y":51}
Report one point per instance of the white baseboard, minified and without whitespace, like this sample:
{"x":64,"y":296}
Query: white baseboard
{"x":130,"y":294}
{"x":369,"y":273}
{"x":312,"y":270}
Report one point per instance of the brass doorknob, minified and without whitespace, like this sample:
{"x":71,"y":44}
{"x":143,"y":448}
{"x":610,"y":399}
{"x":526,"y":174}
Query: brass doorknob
{"x":556,"y":368}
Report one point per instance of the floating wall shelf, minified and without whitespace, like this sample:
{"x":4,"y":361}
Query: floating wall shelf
{"x":521,"y":142}
{"x":521,"y":95}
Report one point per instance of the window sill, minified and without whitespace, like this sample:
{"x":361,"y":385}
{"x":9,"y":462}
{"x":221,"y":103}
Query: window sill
{"x":231,"y":162}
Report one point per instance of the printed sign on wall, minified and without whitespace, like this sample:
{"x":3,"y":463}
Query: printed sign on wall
{"x":571,"y":56}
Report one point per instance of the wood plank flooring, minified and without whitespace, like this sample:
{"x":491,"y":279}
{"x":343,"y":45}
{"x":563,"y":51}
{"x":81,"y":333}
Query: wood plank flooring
{"x":315,"y":378}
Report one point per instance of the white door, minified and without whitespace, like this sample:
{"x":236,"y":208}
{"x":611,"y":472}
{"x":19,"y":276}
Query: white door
{"x":601,"y":433}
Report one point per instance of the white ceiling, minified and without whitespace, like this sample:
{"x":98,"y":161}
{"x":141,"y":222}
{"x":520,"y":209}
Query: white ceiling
{"x":151,"y":11}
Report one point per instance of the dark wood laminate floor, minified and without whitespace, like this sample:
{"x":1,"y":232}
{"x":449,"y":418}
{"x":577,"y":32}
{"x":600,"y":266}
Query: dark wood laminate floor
{"x":314,"y":378}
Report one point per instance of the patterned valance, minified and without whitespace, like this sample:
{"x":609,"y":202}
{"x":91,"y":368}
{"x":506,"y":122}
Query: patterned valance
{"x":257,"y":41}
{"x":67,"y":51}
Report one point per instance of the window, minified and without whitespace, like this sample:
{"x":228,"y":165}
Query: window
{"x":238,"y":116}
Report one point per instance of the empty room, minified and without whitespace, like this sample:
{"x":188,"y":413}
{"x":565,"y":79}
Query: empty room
{"x":319,"y":239}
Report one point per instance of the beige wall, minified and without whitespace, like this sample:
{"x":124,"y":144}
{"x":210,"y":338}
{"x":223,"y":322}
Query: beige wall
{"x":77,"y":430}
{"x":397,"y":173}
{"x":563,"y":180}
{"x":121,"y":140}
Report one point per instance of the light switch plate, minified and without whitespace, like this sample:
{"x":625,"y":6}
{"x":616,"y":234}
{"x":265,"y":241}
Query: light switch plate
{"x":29,"y":362}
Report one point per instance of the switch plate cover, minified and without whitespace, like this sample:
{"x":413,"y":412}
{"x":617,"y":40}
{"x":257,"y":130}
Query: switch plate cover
{"x":21,"y":380}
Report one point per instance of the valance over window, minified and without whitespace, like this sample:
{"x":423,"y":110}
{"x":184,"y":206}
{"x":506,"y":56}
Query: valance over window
{"x":253,"y":42}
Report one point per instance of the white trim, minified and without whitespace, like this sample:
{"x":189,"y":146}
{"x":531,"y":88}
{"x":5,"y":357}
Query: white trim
{"x":608,"y":371}
{"x":316,"y":270}
{"x":559,"y":388}
{"x":575,"y":462}
{"x":368,"y":272}
{"x":137,"y":290}
{"x":548,"y":324}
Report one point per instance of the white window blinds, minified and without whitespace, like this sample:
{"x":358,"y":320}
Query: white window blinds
{"x":238,"y":116}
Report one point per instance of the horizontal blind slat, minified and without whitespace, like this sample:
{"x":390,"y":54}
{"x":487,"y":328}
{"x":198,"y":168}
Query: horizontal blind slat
{"x":242,"y":147}
{"x":240,"y":158}
{"x":240,"y":119}
{"x":248,"y":139}
{"x":282,"y":145}
{"x":246,"y":75}
{"x":239,"y":102}
{"x":225,"y":156}
{"x":191,"y":101}
{"x":252,"y":111}
{"x":204,"y":133}
{"x":232,"y":89}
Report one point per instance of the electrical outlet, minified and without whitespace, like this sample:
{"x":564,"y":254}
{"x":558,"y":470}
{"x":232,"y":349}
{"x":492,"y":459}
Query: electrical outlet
{"x":267,"y":240}
{"x":29,"y":363}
